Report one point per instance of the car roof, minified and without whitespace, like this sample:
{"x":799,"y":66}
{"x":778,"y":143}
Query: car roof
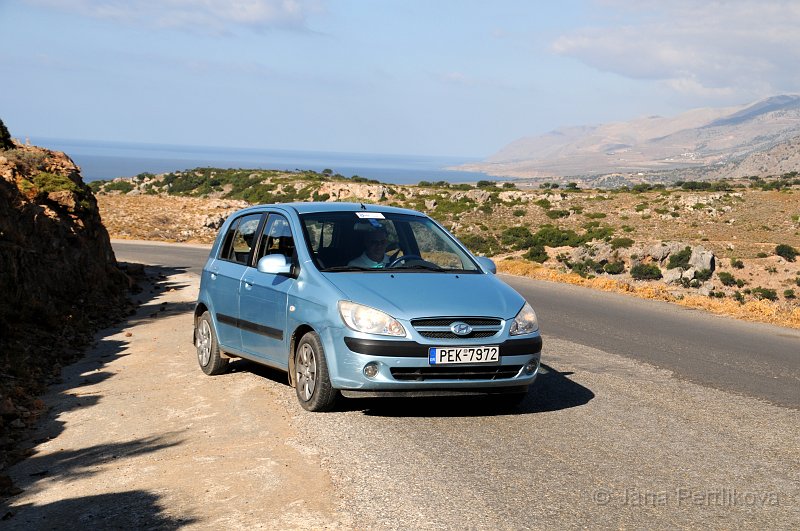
{"x":309,"y":207}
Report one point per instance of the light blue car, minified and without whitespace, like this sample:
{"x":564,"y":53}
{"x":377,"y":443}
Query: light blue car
{"x":353,"y":298}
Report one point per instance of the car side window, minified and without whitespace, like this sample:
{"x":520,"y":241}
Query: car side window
{"x":277,"y":238}
{"x":241,"y":239}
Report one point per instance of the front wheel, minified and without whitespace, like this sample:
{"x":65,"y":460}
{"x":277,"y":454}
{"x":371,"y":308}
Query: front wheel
{"x":312,"y":382}
{"x":208,"y":354}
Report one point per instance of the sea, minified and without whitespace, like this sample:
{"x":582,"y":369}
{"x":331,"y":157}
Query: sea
{"x":108,"y":160}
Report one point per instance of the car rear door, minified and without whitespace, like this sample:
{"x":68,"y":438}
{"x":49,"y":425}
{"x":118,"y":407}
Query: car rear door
{"x":225,"y":277}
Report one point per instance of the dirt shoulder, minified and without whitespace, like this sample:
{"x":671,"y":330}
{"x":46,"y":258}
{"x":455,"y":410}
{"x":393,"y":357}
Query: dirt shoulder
{"x":137,"y":437}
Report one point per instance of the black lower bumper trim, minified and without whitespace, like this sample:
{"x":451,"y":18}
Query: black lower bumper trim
{"x":412,"y":349}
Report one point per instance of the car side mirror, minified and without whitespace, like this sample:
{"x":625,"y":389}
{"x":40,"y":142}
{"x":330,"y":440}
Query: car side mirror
{"x":274,"y":264}
{"x":487,"y":264}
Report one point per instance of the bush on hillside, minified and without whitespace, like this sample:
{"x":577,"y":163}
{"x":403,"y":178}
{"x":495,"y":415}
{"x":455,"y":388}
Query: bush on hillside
{"x":5,"y":137}
{"x":680,"y":259}
{"x":787,"y":252}
{"x":646,"y":272}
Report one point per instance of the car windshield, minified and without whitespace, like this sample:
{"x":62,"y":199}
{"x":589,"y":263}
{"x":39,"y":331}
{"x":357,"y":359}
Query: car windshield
{"x":382,"y":241}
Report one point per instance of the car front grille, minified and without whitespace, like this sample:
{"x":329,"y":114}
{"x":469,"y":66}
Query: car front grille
{"x":439,"y":327}
{"x":494,"y":372}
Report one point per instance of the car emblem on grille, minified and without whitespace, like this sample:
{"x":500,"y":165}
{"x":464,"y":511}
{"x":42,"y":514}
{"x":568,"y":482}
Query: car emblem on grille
{"x":461,"y":329}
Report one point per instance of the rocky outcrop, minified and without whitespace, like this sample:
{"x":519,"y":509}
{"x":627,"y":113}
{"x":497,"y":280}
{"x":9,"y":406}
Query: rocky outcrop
{"x":59,"y":278}
{"x":340,"y":191}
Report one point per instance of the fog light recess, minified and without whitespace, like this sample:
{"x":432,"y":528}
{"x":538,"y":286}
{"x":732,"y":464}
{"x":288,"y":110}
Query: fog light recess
{"x":371,"y":370}
{"x":531,"y":366}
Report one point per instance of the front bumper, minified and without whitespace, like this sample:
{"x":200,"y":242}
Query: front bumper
{"x":403,"y":365}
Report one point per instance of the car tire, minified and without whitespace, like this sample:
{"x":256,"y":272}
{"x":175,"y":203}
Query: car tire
{"x":208,"y":353}
{"x":312,"y":381}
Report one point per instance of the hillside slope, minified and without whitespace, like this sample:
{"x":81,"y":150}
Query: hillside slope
{"x":59,"y":279}
{"x":695,"y":139}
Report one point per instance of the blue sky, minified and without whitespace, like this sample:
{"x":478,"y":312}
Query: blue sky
{"x":426,"y":77}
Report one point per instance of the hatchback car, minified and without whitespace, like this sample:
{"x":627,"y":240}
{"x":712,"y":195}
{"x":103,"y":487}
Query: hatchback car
{"x":351,"y":298}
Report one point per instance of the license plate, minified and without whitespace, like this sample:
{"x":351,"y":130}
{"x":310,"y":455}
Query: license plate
{"x":445,"y":355}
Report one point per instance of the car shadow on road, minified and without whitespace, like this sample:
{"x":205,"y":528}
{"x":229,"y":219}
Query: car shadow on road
{"x":552,"y":391}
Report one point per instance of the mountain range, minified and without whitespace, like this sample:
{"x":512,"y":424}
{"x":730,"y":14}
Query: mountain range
{"x":710,"y":139}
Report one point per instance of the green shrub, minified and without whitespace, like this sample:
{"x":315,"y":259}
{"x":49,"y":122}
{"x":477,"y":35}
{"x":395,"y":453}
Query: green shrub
{"x":738,"y":297}
{"x":703,"y":274}
{"x":680,"y":259}
{"x":621,"y":243}
{"x":27,"y":161}
{"x":787,"y":252}
{"x":598,"y":233}
{"x":762,"y":255}
{"x":518,"y":212}
{"x":544,"y":203}
{"x":737,"y":264}
{"x":586,"y":267}
{"x":50,"y":182}
{"x":479,"y":244}
{"x":789,"y":294}
{"x":726,"y":278}
{"x":536,"y":254}
{"x":509,"y":185}
{"x":555,"y":214}
{"x":646,"y":272}
{"x":517,"y":238}
{"x":5,"y":137}
{"x":119,"y":186}
{"x":595,"y":215}
{"x":764,"y":293}
{"x":555,"y":237}
{"x":614,"y":268}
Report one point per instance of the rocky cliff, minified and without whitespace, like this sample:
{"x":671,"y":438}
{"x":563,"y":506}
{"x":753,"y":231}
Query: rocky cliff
{"x":59,"y":279}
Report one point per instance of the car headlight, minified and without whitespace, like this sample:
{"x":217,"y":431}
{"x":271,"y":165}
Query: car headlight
{"x":525,"y":322}
{"x":369,"y":320}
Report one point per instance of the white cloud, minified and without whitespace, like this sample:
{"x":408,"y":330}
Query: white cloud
{"x":738,"y":48}
{"x":214,"y":16}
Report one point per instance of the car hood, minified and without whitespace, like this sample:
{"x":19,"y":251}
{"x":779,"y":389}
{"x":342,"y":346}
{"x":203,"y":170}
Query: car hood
{"x":413,"y":295}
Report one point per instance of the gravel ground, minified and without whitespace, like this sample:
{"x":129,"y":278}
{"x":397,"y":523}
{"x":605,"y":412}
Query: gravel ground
{"x":138,"y":437}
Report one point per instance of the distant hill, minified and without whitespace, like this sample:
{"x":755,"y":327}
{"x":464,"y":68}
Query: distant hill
{"x":699,"y":138}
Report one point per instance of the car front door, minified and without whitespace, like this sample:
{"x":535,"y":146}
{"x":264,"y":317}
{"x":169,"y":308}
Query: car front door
{"x":264,"y":297}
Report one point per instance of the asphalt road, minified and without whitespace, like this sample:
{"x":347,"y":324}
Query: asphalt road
{"x":634,"y":422}
{"x":748,"y":359}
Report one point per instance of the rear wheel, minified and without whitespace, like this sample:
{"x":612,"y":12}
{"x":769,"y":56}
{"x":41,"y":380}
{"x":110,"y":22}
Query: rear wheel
{"x":208,"y":354}
{"x":312,"y":382}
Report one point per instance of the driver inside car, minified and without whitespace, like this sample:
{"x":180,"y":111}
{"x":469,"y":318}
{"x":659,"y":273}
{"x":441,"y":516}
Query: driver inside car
{"x":374,"y":256}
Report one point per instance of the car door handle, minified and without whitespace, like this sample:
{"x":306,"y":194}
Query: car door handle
{"x":248,"y":284}
{"x":213,"y":276}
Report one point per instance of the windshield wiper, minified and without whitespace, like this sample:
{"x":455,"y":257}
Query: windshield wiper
{"x":427,"y":267}
{"x":348,"y":268}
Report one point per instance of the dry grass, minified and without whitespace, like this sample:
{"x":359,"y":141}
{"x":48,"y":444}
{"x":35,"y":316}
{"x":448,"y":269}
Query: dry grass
{"x":763,"y":311}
